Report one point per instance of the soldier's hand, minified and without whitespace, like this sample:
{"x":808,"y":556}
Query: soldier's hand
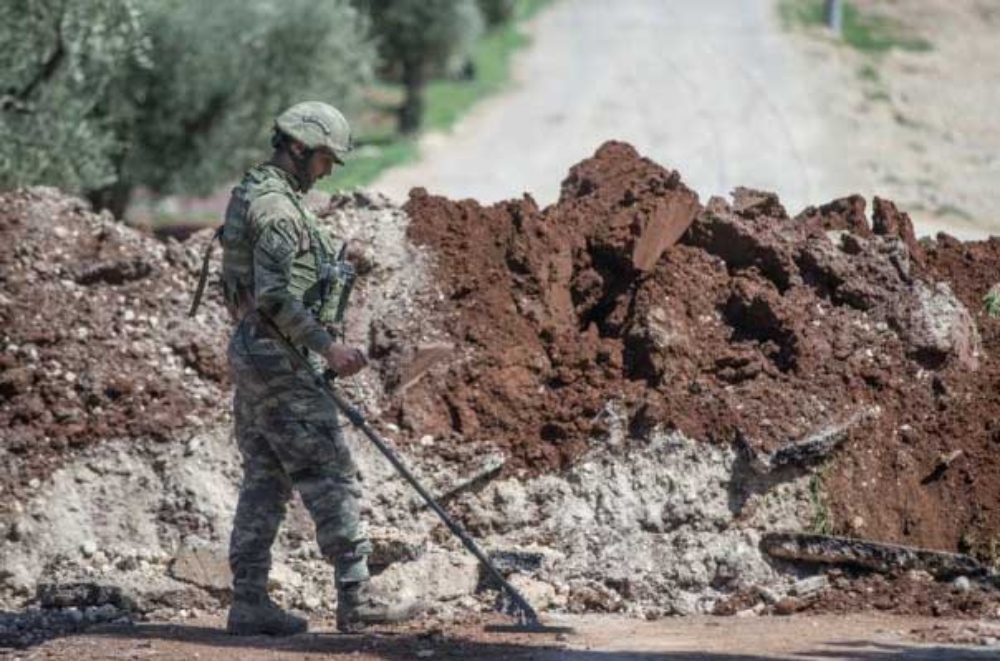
{"x":344,"y":360}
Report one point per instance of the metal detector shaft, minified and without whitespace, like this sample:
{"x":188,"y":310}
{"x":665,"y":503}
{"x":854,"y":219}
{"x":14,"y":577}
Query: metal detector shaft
{"x":525,"y":612}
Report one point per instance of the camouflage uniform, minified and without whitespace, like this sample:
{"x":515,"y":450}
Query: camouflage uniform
{"x":287,"y":430}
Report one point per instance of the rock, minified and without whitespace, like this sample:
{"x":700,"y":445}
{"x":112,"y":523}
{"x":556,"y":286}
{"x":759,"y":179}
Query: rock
{"x":202,"y":565}
{"x":88,"y":549}
{"x":539,"y":594}
{"x":842,"y":215}
{"x":87,"y":596}
{"x":390,"y":546}
{"x":887,"y":220}
{"x":789,"y":606}
{"x":753,"y":611}
{"x":14,"y":382}
{"x":593,"y":597}
{"x":809,"y":586}
{"x":434,"y":576}
{"x":940,"y":328}
{"x":283,"y":577}
{"x":769,"y":596}
{"x":962,"y":584}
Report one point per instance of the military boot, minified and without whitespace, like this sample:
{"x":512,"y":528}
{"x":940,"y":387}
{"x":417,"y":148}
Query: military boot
{"x":359,"y":605}
{"x":253,"y":613}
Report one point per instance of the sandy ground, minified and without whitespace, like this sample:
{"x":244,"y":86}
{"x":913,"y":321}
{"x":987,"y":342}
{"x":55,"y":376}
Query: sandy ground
{"x":720,"y":91}
{"x":607,"y":638}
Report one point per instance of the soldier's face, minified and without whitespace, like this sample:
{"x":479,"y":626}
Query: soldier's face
{"x":320,"y":165}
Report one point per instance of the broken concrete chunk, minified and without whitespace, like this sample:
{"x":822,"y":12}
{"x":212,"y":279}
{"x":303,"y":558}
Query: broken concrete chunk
{"x":873,"y":556}
{"x":809,"y":586}
{"x":204,"y":566}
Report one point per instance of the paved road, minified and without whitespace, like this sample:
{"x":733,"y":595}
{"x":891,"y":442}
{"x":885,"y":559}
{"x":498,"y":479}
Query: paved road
{"x":712,"y":88}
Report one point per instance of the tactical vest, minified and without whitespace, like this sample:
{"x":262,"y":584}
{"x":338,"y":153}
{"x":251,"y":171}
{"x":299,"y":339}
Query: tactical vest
{"x":320,"y":277}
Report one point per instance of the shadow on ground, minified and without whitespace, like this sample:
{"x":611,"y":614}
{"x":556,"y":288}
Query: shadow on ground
{"x":399,"y":646}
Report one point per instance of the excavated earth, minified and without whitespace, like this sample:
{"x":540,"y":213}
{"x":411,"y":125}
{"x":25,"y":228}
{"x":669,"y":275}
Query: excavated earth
{"x":95,"y":343}
{"x":617,"y":394}
{"x":756,"y":329}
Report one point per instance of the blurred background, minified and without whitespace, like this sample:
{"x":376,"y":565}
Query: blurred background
{"x":152,"y":108}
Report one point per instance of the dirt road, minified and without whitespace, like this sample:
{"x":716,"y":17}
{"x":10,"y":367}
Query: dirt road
{"x":713,"y":88}
{"x":604,"y":638}
{"x":720,"y":91}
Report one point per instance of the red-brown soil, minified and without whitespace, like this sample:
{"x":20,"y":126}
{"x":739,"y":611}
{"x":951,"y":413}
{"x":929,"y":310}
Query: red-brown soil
{"x":96,"y":345}
{"x":756,"y":328}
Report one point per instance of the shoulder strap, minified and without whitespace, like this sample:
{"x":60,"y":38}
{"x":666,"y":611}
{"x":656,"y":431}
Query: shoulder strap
{"x":203,"y":277}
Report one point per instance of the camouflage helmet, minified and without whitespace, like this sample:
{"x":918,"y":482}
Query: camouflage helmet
{"x":317,"y":125}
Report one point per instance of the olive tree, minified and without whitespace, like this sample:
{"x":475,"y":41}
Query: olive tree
{"x":220,"y":72}
{"x":101,"y":96}
{"x":416,"y":37}
{"x":59,"y":61}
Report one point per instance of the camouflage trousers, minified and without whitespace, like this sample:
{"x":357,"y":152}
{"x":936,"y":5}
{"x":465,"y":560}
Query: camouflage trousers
{"x":289,"y":438}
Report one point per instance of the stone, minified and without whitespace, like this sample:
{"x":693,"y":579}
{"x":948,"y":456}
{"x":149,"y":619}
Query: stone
{"x":941,"y":328}
{"x":962,"y":584}
{"x":283,"y":577}
{"x":539,"y":594}
{"x":809,"y":586}
{"x":87,"y":596}
{"x":204,"y":566}
{"x":390,"y":546}
{"x":789,"y":606}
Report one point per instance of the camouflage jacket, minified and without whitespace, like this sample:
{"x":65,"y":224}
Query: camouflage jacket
{"x":277,"y":259}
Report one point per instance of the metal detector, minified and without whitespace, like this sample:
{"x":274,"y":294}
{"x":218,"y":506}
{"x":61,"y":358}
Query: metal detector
{"x":515,"y":605}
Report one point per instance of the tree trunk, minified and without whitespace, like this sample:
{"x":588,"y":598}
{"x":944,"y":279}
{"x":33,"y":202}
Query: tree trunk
{"x":411,"y":114}
{"x":115,"y":198}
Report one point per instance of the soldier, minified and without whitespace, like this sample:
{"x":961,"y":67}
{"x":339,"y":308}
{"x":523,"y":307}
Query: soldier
{"x":279,"y":283}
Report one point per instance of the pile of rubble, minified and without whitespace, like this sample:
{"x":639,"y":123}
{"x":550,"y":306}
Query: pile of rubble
{"x":95,"y":343}
{"x":621,"y":395}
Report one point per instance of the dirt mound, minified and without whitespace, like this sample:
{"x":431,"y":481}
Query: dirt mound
{"x":660,"y":405}
{"x":96,"y":343}
{"x":789,"y":337}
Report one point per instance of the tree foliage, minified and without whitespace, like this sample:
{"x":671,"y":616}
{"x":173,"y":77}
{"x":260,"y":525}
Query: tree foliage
{"x":497,"y":12}
{"x":58,"y":62}
{"x":175,"y":95}
{"x":223,"y":70}
{"x":416,"y":37}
